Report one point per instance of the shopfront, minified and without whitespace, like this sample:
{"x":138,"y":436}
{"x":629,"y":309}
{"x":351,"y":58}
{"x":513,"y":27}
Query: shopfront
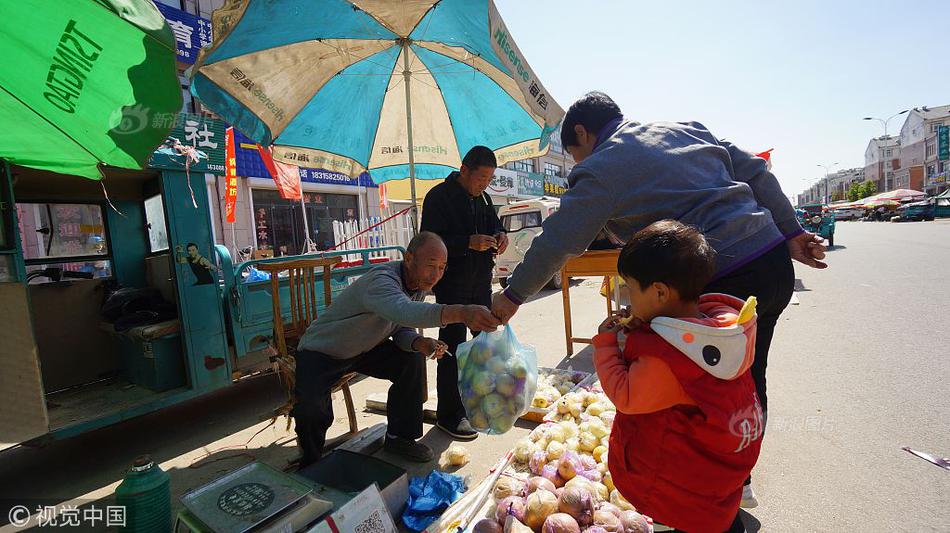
{"x":279,"y":223}
{"x":275,"y":225}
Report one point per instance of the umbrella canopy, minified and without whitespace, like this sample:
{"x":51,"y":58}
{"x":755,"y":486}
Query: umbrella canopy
{"x":398,"y":89}
{"x":901,"y":195}
{"x":88,"y":83}
{"x":881,"y":202}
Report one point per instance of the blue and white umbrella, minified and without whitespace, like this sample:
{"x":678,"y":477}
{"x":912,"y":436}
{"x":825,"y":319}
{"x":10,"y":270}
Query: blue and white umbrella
{"x":396,"y":88}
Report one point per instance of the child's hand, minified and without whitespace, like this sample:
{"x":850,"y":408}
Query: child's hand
{"x":613,"y":323}
{"x":630,"y":322}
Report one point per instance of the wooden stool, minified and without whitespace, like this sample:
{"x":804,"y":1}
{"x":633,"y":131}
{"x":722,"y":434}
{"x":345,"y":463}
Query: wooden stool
{"x":303,"y":309}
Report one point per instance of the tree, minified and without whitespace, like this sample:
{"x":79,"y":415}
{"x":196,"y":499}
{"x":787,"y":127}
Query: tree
{"x":869,"y":189}
{"x":854,"y":193}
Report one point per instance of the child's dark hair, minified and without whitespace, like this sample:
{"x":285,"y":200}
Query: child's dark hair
{"x":672,"y":253}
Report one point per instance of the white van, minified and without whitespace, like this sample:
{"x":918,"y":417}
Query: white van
{"x":523,"y":221}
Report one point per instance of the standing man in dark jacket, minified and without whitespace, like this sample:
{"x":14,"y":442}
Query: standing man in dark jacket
{"x":459,"y":211}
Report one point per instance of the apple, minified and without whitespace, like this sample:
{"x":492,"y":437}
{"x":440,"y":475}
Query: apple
{"x":505,"y":384}
{"x":482,"y":383}
{"x":480,"y":353}
{"x":493,"y":405}
{"x":497,"y":365}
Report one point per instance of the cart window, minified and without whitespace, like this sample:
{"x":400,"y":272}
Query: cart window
{"x":68,"y":236}
{"x":155,"y":222}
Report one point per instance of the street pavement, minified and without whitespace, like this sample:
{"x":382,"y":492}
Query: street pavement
{"x":857,"y":370}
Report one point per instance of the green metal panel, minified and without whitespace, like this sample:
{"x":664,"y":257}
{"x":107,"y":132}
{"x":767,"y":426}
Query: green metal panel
{"x":196,"y":278}
{"x":127,"y":242}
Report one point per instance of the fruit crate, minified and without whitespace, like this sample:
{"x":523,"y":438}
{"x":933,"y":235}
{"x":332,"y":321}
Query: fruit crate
{"x":537,"y":414}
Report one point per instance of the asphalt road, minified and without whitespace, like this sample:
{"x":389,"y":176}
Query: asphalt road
{"x":858,"y":369}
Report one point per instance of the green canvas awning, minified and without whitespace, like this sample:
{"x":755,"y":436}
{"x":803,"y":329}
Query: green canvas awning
{"x":84,"y":83}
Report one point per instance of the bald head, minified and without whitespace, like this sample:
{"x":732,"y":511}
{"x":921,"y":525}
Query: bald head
{"x":426,"y":257}
{"x":425,"y":239}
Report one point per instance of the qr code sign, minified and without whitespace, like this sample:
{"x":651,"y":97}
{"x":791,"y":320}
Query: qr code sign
{"x":372,"y":524}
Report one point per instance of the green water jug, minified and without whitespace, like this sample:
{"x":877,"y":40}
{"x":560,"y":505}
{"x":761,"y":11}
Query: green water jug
{"x":146,"y":495}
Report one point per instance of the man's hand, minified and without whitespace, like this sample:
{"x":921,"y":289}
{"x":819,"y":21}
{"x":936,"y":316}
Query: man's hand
{"x":480,"y":243}
{"x":502,"y":239}
{"x":808,"y":249}
{"x":431,"y":348}
{"x":479,"y":318}
{"x":503,"y":308}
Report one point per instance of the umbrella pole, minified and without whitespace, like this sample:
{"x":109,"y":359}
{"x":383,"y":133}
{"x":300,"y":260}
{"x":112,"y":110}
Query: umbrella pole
{"x":308,"y":244}
{"x":412,"y":161}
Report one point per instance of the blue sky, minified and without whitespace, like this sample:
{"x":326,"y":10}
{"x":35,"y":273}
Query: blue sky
{"x":794,"y":76}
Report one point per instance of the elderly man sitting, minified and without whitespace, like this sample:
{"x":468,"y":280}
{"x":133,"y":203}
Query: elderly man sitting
{"x":369,"y":328}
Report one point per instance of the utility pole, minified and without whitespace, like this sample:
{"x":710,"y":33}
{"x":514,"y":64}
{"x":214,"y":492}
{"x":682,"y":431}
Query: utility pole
{"x":884,"y":122}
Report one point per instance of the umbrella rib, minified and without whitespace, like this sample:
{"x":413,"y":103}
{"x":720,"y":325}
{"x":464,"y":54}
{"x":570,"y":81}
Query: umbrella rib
{"x":48,"y":121}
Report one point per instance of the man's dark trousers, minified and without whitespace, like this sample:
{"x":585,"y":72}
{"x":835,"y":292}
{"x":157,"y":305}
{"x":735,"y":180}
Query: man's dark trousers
{"x":317,"y":372}
{"x":450,"y":410}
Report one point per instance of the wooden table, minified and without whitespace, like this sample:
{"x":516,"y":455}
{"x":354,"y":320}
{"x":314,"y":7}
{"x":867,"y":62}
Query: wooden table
{"x":590,"y":264}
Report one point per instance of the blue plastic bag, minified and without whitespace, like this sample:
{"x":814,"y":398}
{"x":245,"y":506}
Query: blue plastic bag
{"x":429,"y":497}
{"x":254,"y":275}
{"x":497,"y":379}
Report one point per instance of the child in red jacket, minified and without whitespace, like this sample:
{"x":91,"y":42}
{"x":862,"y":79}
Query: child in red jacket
{"x":689,"y":423}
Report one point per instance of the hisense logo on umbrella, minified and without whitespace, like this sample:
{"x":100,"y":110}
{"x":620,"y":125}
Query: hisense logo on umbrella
{"x":258,"y":93}
{"x":501,"y":37}
{"x":74,"y":58}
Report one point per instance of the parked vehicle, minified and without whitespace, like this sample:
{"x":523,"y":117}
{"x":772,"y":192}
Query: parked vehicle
{"x":849,"y":213}
{"x":185,"y":322}
{"x":523,"y":221}
{"x":817,"y":219}
{"x":917,"y":211}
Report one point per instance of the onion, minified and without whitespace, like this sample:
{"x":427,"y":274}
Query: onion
{"x":538,"y":483}
{"x":487,"y":525}
{"x":549,"y":472}
{"x":560,"y":523}
{"x":537,"y":461}
{"x":634,"y":522}
{"x":578,"y":503}
{"x":588,"y":462}
{"x":507,"y":486}
{"x":569,"y":465}
{"x":555,"y":450}
{"x":617,"y":499}
{"x":538,"y":507}
{"x":512,"y":505}
{"x":610,"y":508}
{"x":595,"y":529}
{"x":523,"y":450}
{"x":592,"y":474}
{"x":608,"y":521}
{"x":513,"y":525}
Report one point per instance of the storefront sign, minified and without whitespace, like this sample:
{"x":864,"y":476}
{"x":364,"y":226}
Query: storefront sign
{"x":230,"y":176}
{"x":530,"y":184}
{"x":504,"y":183}
{"x":554,"y":186}
{"x":250,"y":164}
{"x":191,"y":32}
{"x":943,"y":143}
{"x":205,"y":134}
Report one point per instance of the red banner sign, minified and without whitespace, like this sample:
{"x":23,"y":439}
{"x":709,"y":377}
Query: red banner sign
{"x":287,"y":177}
{"x":230,"y":175}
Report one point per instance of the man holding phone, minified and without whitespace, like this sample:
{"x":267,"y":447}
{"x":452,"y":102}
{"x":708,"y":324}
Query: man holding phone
{"x":459,"y":211}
